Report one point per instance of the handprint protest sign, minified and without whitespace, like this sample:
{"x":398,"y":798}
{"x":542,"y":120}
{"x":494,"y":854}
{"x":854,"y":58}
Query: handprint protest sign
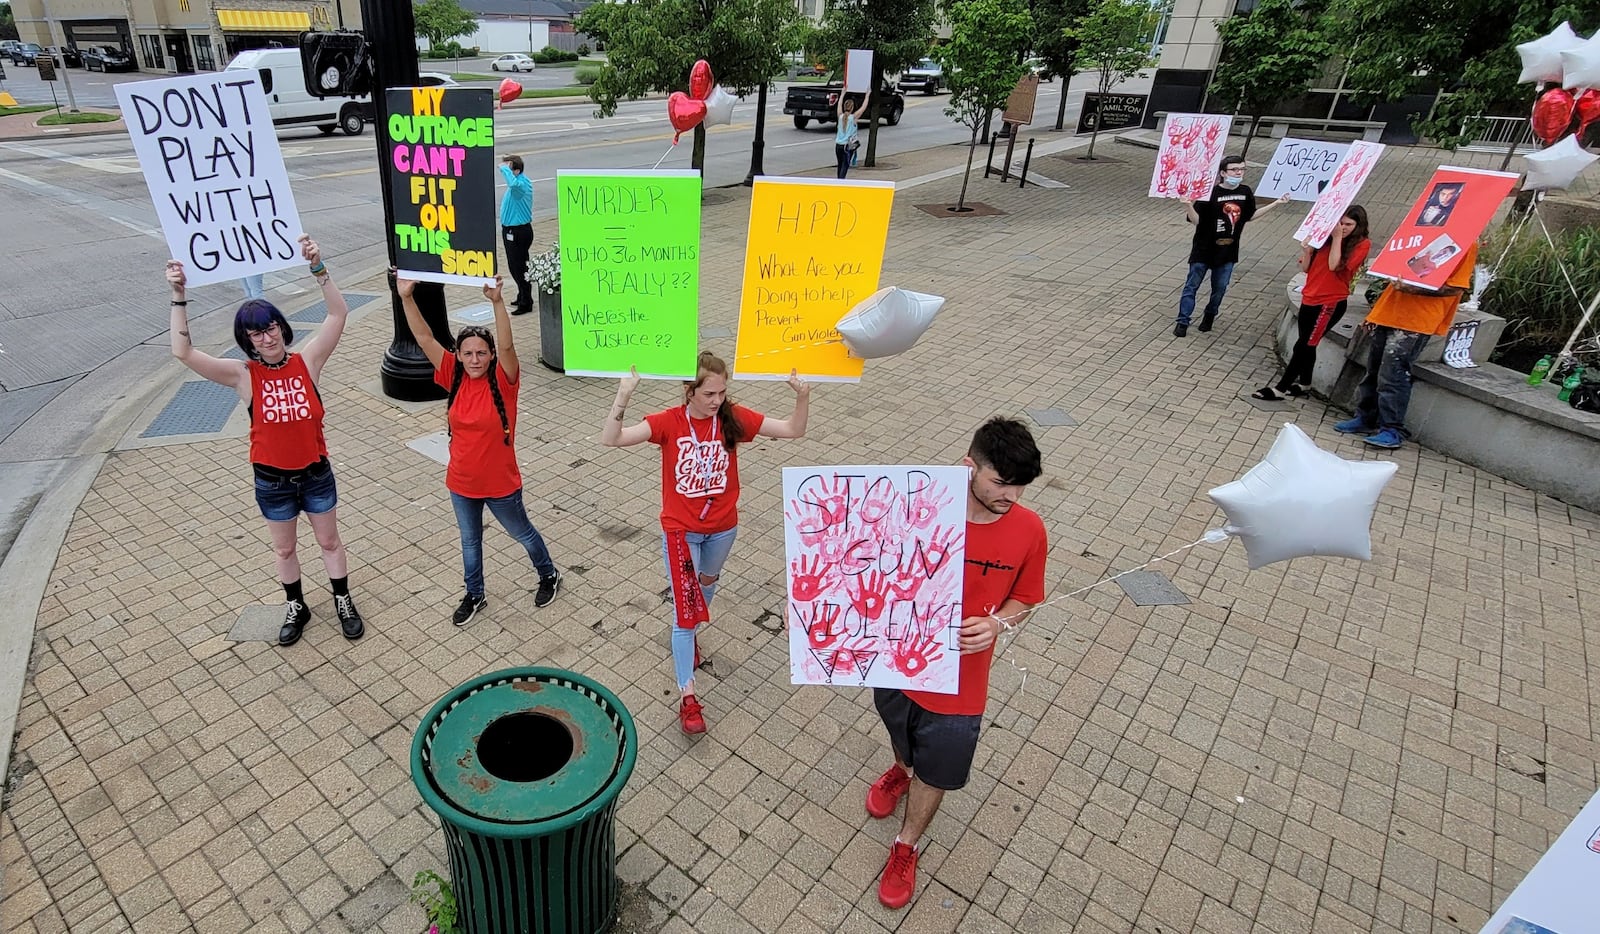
{"x":875,"y":557}
{"x":1191,"y":152}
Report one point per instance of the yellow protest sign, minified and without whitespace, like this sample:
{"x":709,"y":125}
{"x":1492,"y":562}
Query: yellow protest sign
{"x":814,"y":249}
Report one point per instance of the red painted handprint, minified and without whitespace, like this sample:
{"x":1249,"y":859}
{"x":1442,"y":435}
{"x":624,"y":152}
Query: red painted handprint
{"x":907,"y":582}
{"x":821,"y":507}
{"x":869,"y":594}
{"x":824,"y":629}
{"x":926,"y":504}
{"x":809,"y":578}
{"x":912,"y":656}
{"x":851,"y":661}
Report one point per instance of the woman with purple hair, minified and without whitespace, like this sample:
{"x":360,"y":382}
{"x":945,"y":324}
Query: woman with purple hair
{"x":288,"y":452}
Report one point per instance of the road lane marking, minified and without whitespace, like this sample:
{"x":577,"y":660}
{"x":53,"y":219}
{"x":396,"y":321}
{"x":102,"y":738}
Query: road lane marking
{"x":82,"y":162}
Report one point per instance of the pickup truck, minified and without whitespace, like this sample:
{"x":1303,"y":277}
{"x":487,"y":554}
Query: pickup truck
{"x":926,"y":76}
{"x":807,"y":102}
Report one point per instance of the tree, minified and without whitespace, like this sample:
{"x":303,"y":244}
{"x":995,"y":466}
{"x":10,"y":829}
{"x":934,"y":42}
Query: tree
{"x":981,"y":63}
{"x":8,"y":22}
{"x":1115,"y":36}
{"x":440,"y":21}
{"x":1056,"y":46}
{"x":1269,"y":55}
{"x":1465,"y":49}
{"x":898,"y":32}
{"x":652,"y":44}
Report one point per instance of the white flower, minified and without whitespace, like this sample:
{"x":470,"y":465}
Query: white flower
{"x":544,"y":269}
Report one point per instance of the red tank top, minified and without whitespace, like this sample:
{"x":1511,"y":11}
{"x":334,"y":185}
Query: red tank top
{"x":285,"y":415}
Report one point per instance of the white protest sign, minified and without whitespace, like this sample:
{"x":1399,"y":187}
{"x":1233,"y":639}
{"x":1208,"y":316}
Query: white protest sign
{"x":1300,"y":168}
{"x":1559,"y":894}
{"x":858,"y":70}
{"x":876,"y":564}
{"x":210,"y":157}
{"x":1190,"y":154}
{"x":1340,"y":193}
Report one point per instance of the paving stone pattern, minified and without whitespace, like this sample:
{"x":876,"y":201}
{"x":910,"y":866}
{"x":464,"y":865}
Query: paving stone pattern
{"x":1324,"y":746}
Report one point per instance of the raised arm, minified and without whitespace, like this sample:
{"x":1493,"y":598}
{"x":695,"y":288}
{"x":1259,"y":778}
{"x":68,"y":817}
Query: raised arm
{"x":1272,"y":204}
{"x":503,"y":348}
{"x":225,"y":372}
{"x":1335,"y":251}
{"x":420,"y":332}
{"x":612,"y":433}
{"x":320,"y":347}
{"x":795,"y":425}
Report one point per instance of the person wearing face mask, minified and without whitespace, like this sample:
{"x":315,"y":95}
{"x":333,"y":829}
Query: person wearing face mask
{"x":699,"y":443}
{"x":482,"y":376}
{"x":1218,"y":223}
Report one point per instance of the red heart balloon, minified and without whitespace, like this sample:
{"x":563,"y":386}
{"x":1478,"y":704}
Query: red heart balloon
{"x":1588,"y":105}
{"x":509,"y":91}
{"x":685,"y":112}
{"x":1552,"y":115}
{"x":700,"y":80}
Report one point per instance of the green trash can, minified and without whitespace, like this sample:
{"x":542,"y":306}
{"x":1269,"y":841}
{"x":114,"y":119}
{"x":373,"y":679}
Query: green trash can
{"x":523,"y":767}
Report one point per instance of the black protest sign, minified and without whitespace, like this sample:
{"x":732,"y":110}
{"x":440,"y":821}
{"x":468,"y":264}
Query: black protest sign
{"x":439,"y":153}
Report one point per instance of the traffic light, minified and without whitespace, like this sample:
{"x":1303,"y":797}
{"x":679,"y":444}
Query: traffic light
{"x":336,"y":64}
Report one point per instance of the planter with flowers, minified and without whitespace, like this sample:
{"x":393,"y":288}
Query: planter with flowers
{"x":544,"y":270}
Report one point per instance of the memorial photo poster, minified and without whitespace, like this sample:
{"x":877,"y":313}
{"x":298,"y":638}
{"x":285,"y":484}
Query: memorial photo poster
{"x":1339,"y":193}
{"x":210,"y":157}
{"x":630,"y":271}
{"x":1190,"y":154}
{"x":1558,"y":896}
{"x":1300,"y":168}
{"x":814,"y":249}
{"x":439,"y":147}
{"x":1447,"y":218}
{"x":876,"y":559}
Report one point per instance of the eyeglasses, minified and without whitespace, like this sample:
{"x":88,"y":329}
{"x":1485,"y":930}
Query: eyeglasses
{"x":257,"y":334}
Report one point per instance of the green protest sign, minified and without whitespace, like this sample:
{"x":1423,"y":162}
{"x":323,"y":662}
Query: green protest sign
{"x":630,"y":272}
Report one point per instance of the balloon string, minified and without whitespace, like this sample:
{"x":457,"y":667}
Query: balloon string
{"x":1556,"y":252}
{"x":1211,"y":537}
{"x":665,"y":155}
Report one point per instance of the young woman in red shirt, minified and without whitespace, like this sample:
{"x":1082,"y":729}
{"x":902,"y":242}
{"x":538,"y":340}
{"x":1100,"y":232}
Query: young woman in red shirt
{"x":288,"y":452}
{"x":699,"y":495}
{"x":1329,"y":272}
{"x":482,"y":376}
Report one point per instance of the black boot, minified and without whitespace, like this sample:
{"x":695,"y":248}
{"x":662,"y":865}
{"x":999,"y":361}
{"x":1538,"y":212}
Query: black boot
{"x":1205,"y":322}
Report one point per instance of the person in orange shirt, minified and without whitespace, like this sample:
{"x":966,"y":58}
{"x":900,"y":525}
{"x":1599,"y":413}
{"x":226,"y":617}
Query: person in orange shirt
{"x":1404,"y":318}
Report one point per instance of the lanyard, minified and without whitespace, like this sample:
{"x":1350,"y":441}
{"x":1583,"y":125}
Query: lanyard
{"x":702,"y":465}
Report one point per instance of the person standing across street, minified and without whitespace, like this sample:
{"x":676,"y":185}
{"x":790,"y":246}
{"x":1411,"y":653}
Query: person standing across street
{"x":845,"y":138}
{"x":1403,"y":319}
{"x":1218,"y":222}
{"x":516,"y":226}
{"x":935,"y":736}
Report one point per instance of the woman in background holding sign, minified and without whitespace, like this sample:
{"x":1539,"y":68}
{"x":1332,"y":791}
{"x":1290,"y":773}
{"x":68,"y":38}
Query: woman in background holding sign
{"x":1329,"y":272}
{"x":845,"y":139}
{"x":699,"y":495}
{"x":481,"y":414}
{"x":287,"y":449}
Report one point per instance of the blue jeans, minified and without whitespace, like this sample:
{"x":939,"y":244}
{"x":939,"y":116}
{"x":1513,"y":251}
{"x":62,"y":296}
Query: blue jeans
{"x":710,"y":553}
{"x":283,"y":495}
{"x":511,"y":515}
{"x":252,"y":286}
{"x":1220,"y":277}
{"x":1385,"y":391}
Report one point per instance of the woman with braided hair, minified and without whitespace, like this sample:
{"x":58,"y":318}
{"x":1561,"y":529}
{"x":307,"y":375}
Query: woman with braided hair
{"x":482,"y":376}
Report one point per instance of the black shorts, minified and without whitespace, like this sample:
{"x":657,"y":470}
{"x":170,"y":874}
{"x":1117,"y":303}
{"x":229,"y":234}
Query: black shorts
{"x":938,"y":747}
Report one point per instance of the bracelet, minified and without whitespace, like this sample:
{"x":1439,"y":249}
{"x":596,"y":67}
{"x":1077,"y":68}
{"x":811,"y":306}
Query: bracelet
{"x":183,"y":302}
{"x":320,"y":267}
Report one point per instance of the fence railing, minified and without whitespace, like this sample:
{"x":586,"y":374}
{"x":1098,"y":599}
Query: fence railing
{"x":1501,"y":133}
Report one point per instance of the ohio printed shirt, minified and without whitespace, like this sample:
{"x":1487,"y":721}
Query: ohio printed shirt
{"x":285,"y":415}
{"x":699,"y":475}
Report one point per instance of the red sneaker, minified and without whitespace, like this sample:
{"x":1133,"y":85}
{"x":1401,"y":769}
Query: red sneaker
{"x":899,"y":880}
{"x":689,"y":715}
{"x":886,"y":792}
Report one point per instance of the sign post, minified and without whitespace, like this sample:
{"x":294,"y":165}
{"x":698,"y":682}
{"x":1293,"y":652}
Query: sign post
{"x":1018,"y":112}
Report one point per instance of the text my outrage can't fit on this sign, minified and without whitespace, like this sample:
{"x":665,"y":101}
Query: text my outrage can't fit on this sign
{"x":211,"y":160}
{"x":440,"y":158}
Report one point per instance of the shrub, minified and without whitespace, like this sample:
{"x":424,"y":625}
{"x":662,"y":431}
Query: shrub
{"x":586,"y":72}
{"x":583,"y":49}
{"x":1530,"y":292}
{"x":550,"y":55}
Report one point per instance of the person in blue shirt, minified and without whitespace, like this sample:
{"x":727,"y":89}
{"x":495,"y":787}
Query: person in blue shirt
{"x":516,"y":226}
{"x":845,"y":142}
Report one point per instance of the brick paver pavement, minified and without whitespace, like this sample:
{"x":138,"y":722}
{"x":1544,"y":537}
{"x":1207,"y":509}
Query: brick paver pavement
{"x":1323,"y":746}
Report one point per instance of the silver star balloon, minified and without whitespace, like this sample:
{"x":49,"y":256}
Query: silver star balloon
{"x":887,"y":322}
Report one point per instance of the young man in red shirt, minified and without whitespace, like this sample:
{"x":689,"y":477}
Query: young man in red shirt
{"x":935,"y":735}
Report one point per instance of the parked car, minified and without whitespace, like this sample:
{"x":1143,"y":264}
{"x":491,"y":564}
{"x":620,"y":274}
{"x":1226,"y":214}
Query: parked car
{"x":1037,"y":67}
{"x":514,"y":61}
{"x":436,"y":79}
{"x":288,"y":101}
{"x":106,"y":58}
{"x":66,"y":56}
{"x":25,"y":53}
{"x":808,"y":102}
{"x":6,"y":45}
{"x":926,"y":76}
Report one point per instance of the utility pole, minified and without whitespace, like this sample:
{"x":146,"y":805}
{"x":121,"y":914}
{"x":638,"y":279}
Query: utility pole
{"x":66,"y":79}
{"x":391,"y":40}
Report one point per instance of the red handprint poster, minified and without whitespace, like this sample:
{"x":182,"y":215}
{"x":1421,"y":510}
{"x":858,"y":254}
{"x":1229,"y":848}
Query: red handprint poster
{"x":875,"y":559}
{"x":1191,"y":152}
{"x":1340,"y":194}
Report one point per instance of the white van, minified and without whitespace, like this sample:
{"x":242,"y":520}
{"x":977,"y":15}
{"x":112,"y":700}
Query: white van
{"x":287,"y":99}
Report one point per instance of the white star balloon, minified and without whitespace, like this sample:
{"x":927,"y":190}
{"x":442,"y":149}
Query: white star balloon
{"x":1580,"y":64}
{"x":1302,"y":501}
{"x":719,"y":107}
{"x":888,"y":322}
{"x":1541,"y":58}
{"x":1557,"y":166}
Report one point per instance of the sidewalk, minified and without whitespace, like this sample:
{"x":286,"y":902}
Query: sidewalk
{"x":1321,"y":746}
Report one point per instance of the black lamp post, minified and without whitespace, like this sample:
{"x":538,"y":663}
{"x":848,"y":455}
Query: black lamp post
{"x":760,"y":142}
{"x":406,"y":373}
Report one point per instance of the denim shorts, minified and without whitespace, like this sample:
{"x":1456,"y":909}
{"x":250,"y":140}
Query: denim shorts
{"x":284,"y":495}
{"x":939,"y":747}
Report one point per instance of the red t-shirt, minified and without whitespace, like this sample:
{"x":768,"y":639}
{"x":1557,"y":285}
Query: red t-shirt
{"x":285,"y":415}
{"x":699,"y":475}
{"x":1005,"y":561}
{"x":482,"y":465}
{"x":1324,"y":285}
